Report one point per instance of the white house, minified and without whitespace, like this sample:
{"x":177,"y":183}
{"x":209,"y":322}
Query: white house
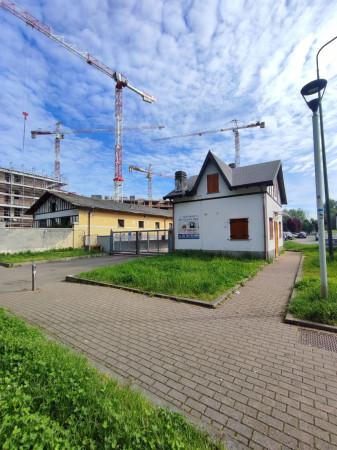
{"x":234,"y":210}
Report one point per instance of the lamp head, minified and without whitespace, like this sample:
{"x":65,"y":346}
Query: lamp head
{"x":310,"y":90}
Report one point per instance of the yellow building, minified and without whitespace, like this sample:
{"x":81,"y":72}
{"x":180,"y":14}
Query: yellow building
{"x":95,"y":217}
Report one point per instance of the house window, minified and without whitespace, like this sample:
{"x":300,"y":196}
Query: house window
{"x":141,"y":224}
{"x":52,"y":207}
{"x":157,"y":225}
{"x":7,"y":177}
{"x":17,"y":212}
{"x":213,"y":183}
{"x":271,"y":228}
{"x":121,"y":223}
{"x":17,"y":179}
{"x":239,"y":229}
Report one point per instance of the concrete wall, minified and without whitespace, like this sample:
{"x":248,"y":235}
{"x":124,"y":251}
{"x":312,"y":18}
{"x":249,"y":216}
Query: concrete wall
{"x":37,"y":239}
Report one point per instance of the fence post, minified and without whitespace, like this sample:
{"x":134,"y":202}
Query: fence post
{"x":170,"y":240}
{"x":33,"y":277}
{"x":137,"y":243}
{"x":111,"y":242}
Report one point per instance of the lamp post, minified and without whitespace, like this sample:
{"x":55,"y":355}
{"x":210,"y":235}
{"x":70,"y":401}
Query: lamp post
{"x":325,"y":172}
{"x":309,"y":92}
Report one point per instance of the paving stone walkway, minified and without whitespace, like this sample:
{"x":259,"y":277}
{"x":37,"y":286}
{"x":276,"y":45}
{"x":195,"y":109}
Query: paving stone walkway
{"x":238,"y":369}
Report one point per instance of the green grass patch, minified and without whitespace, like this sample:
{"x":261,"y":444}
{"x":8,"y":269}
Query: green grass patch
{"x":13,"y":258}
{"x":51,"y":398}
{"x":307,"y":303}
{"x":194,"y":275}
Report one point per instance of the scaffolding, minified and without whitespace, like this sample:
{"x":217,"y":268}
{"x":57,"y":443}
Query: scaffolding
{"x":18,"y":191}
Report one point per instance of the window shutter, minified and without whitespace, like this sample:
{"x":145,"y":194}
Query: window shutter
{"x":239,"y":228}
{"x":213,"y":183}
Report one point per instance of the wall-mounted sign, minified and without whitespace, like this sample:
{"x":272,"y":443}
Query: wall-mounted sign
{"x":188,"y":227}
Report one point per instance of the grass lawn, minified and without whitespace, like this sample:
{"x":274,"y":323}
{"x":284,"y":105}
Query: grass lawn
{"x":194,"y":275}
{"x":51,"y":398}
{"x":14,"y":258}
{"x":307,"y":303}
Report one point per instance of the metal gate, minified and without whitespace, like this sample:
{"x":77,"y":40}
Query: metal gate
{"x":137,"y":242}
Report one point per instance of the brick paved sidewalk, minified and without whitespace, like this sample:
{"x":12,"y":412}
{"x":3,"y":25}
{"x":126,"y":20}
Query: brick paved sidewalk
{"x":237,"y":369}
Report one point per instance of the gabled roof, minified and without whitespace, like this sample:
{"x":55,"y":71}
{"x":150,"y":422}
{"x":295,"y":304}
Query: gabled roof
{"x":80,"y":201}
{"x":263,"y":174}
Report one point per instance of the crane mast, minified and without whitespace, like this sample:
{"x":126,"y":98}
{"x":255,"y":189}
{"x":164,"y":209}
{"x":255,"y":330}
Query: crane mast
{"x":149,"y":175}
{"x":120,"y":79}
{"x":57,"y":164}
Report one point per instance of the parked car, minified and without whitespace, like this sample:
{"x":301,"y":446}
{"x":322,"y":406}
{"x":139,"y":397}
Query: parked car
{"x":287,"y":235}
{"x":302,"y":235}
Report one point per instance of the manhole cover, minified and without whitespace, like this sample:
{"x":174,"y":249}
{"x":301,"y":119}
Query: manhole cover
{"x":317,"y":339}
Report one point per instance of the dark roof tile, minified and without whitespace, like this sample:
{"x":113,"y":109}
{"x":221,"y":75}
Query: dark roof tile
{"x":109,"y":205}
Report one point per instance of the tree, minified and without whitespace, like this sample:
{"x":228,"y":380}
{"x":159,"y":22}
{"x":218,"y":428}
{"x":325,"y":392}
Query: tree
{"x":333,"y":213}
{"x":308,"y":226}
{"x":296,"y":213}
{"x":294,"y":224}
{"x":314,"y":224}
{"x":294,"y":219}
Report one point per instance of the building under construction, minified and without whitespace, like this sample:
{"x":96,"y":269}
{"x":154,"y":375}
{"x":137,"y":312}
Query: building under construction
{"x":18,"y":191}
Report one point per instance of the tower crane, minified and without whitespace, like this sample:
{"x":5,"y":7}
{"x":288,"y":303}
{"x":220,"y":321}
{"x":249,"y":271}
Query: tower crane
{"x":235,"y":129}
{"x":120,"y":80}
{"x":60,"y":134}
{"x":149,"y":175}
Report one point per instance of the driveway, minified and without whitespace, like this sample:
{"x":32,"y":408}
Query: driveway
{"x":237,"y":370}
{"x":19,"y":279}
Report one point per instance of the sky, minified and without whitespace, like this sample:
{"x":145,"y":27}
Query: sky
{"x":206,"y":63}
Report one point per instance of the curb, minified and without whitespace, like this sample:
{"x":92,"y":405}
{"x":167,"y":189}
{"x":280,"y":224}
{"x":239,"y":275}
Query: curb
{"x":68,"y":258}
{"x":291,"y":320}
{"x":213,"y":304}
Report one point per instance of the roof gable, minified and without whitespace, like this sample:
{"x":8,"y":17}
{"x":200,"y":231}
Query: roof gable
{"x":224,"y":170}
{"x":262,"y":174}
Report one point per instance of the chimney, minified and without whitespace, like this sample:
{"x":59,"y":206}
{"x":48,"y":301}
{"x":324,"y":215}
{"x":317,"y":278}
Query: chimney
{"x":181,"y":181}
{"x":232,"y":165}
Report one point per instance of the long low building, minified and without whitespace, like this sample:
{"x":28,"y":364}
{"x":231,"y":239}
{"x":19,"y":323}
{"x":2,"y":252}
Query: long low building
{"x":92,"y":216}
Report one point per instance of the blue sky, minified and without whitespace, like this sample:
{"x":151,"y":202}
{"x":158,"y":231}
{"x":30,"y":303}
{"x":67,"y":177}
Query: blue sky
{"x":205,"y":62}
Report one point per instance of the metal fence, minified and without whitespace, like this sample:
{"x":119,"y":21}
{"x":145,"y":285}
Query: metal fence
{"x":137,"y":242}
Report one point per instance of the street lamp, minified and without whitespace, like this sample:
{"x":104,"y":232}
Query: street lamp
{"x":309,"y":93}
{"x":325,"y":172}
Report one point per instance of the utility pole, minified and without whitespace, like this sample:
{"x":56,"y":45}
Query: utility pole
{"x":325,"y":172}
{"x":313,"y":88}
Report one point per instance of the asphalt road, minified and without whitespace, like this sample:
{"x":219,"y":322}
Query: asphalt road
{"x":19,"y":279}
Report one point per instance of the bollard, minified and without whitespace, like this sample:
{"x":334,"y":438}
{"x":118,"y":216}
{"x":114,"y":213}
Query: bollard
{"x":33,"y":277}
